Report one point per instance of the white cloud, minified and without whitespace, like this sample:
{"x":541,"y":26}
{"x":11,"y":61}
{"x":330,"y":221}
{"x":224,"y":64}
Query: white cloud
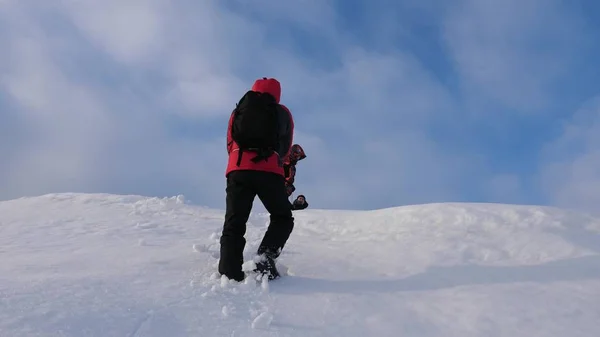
{"x":103,"y":137}
{"x":130,"y":31}
{"x":512,"y":52}
{"x":96,"y":86}
{"x":391,"y":169}
{"x":572,"y":175}
{"x":66,"y":123}
{"x":208,"y":96}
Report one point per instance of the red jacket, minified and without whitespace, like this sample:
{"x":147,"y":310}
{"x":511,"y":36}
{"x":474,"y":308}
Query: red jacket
{"x":273,"y":163}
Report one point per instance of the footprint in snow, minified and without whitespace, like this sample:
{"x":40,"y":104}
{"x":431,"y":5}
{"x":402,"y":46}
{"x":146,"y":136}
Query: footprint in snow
{"x":262,"y":321}
{"x":146,"y":225}
{"x":200,"y":248}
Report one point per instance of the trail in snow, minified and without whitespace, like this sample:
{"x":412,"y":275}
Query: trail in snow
{"x":106,"y":265}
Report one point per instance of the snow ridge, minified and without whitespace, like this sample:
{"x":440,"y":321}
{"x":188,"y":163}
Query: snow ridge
{"x":113,"y":265}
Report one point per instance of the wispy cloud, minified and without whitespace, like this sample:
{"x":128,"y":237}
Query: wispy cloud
{"x":134,"y":97}
{"x":512,"y":54}
{"x":571,"y":175}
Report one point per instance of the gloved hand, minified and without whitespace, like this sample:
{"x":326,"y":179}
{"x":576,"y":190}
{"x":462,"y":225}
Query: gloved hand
{"x":300,"y":203}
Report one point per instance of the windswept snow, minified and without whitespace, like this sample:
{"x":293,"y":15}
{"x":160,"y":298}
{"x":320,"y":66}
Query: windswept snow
{"x":107,"y":265}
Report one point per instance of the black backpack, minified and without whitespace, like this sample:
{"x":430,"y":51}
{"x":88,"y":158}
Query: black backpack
{"x":255,"y":125}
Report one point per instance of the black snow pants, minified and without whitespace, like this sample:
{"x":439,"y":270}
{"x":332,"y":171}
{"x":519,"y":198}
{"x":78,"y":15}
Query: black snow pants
{"x":242,"y":187}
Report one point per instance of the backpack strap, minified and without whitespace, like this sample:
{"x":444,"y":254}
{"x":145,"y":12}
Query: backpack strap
{"x":262,"y":154}
{"x":239,"y":160}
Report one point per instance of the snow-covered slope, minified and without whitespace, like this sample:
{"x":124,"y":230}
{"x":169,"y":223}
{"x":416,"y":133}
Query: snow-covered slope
{"x":106,"y":265}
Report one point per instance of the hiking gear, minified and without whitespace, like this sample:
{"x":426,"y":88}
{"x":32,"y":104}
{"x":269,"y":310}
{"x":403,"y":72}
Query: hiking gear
{"x":270,"y":85}
{"x":296,"y":154}
{"x":298,"y":204}
{"x":272,"y":164}
{"x":255,"y":125}
{"x":266,"y":267}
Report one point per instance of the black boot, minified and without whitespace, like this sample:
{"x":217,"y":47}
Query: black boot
{"x":266,"y":266}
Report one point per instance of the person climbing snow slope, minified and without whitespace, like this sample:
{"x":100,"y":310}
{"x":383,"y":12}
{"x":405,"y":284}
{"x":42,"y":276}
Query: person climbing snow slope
{"x":260,"y":134}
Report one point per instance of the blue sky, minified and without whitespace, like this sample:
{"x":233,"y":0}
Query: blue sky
{"x":395,"y":102}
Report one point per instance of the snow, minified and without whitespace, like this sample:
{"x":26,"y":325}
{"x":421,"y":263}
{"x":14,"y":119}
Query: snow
{"x":113,"y":265}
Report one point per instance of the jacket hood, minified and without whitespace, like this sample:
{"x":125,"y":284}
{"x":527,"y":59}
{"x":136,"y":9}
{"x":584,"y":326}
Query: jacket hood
{"x":268,"y":85}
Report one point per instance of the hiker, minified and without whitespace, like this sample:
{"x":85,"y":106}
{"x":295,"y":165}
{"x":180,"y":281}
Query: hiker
{"x":259,"y":137}
{"x":289,"y":166}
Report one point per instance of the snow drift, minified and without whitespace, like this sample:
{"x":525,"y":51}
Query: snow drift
{"x":109,"y":265}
